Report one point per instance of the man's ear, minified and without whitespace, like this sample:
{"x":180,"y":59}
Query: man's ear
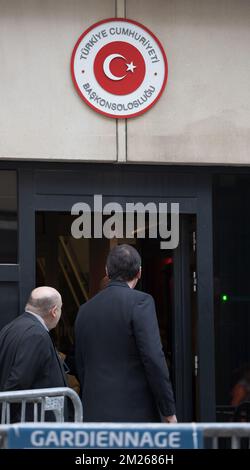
{"x":106,"y":271}
{"x":138,"y":275}
{"x":53,"y":311}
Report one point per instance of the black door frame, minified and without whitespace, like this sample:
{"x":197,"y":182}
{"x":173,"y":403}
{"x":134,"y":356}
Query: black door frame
{"x":182,"y":327}
{"x":56,"y":187}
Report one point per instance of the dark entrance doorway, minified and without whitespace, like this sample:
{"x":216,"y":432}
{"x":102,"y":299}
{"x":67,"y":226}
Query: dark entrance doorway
{"x":170,"y":277}
{"x":77,"y":268}
{"x":55,"y":187}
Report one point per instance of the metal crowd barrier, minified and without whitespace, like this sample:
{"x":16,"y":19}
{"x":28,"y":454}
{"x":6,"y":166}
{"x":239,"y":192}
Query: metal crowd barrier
{"x":125,"y":436}
{"x":226,"y":435}
{"x":42,"y":400}
{"x":4,"y":436}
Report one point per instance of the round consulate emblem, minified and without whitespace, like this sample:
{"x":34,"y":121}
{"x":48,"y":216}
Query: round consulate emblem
{"x":119,"y":68}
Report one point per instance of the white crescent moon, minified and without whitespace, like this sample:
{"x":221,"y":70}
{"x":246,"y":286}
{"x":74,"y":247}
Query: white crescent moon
{"x":106,"y":66}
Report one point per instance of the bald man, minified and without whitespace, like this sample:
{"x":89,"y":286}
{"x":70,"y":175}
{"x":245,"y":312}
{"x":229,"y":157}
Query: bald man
{"x":28,"y":359}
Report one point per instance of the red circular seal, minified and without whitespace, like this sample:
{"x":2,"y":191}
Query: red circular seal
{"x":115,"y":68}
{"x":119,"y":68}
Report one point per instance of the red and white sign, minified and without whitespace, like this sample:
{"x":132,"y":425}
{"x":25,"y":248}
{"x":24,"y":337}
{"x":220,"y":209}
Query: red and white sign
{"x":119,"y":68}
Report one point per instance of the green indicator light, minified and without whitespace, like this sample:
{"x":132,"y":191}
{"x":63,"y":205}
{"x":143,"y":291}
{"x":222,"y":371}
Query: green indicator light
{"x":224,"y":297}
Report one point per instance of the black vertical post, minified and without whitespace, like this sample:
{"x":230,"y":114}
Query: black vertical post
{"x":182,"y":344}
{"x":205,"y":320}
{"x":26,"y":225}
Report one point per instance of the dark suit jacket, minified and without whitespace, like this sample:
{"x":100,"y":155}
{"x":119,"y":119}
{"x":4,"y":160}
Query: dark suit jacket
{"x":28,"y":359}
{"x":119,"y":358}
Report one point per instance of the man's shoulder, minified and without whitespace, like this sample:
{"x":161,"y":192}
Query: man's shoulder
{"x":92,"y":300}
{"x":31,"y":325}
{"x":141,"y":295}
{"x":20,"y":322}
{"x":134,"y":296}
{"x":24,"y":329}
{"x":105,"y":294}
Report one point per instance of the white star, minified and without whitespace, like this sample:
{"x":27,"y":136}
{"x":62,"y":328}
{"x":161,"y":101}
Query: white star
{"x":130,"y":67}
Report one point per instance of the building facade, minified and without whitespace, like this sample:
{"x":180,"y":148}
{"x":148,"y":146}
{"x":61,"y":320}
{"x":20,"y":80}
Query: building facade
{"x":191,"y":147}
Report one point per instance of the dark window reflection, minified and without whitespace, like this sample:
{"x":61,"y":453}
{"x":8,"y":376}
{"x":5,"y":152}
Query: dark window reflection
{"x":8,"y":217}
{"x":8,"y":302}
{"x":232,"y":288}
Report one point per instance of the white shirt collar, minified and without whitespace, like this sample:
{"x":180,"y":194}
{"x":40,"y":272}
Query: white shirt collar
{"x":38,"y":318}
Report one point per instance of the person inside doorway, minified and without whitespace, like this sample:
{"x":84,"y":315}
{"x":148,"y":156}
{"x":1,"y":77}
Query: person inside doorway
{"x":241,"y":390}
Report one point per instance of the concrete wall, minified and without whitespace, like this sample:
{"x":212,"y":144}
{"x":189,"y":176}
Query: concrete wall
{"x":203,"y":116}
{"x":41,"y":115}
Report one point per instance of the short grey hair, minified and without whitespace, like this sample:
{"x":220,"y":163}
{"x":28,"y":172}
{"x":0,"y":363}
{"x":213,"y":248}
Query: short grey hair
{"x":42,"y":305}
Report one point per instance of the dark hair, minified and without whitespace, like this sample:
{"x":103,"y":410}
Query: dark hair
{"x":123,"y":263}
